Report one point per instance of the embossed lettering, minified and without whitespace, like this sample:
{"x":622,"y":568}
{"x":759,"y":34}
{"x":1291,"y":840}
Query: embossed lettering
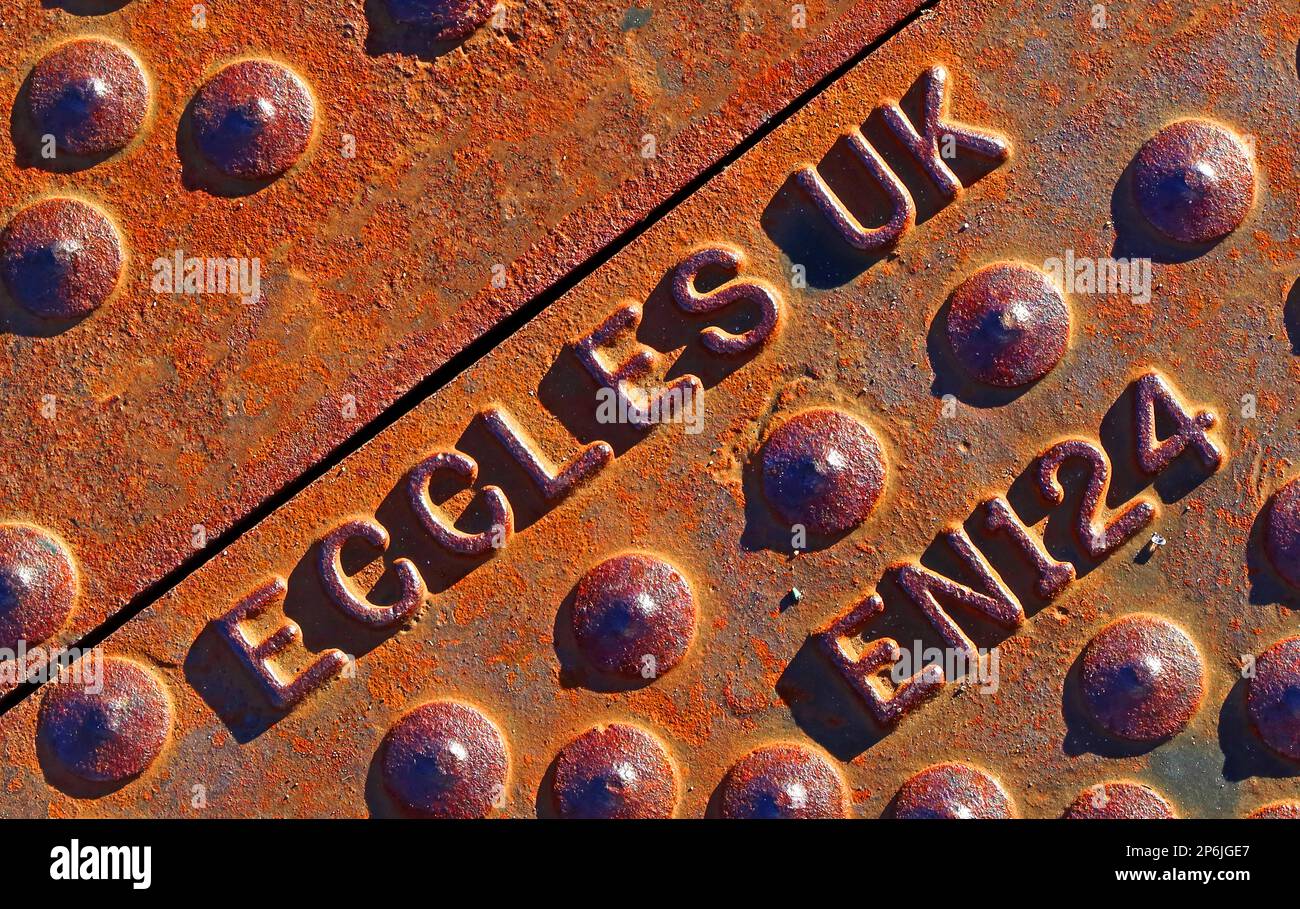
{"x":1154,"y":456}
{"x":1052,"y":576}
{"x":990,"y":596}
{"x":937,"y":140}
{"x":447,"y":536}
{"x":1098,"y":539}
{"x":926,"y":588}
{"x":691,"y":300}
{"x":902,"y":210}
{"x":554,"y":483}
{"x":336,"y":583}
{"x":862,"y":670}
{"x":639,"y":405}
{"x":935,"y":127}
{"x":284,"y":695}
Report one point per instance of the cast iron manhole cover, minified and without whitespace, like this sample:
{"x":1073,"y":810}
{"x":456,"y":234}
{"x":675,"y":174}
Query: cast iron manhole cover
{"x":934,"y":459}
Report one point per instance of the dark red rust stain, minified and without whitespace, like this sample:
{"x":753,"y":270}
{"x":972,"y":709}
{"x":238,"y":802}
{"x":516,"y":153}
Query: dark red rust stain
{"x":90,"y":95}
{"x":1119,"y":801}
{"x":1142,"y":678}
{"x":1008,"y":325}
{"x":782,"y":781}
{"x":61,"y":258}
{"x":445,"y":760}
{"x":1194,"y":181}
{"x":824,"y":469}
{"x":38,"y":585}
{"x":634,"y":616}
{"x":111,"y":735}
{"x":615,"y":771}
{"x":1273,"y":697}
{"x":952,"y":791}
{"x":253,"y":120}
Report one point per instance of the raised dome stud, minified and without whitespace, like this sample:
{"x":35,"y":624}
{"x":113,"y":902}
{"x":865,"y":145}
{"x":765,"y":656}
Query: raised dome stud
{"x":614,"y":771}
{"x":253,"y":120}
{"x":1194,"y":181}
{"x":1273,"y":697}
{"x":61,"y":258}
{"x":445,"y":759}
{"x":38,"y":585}
{"x":1142,"y":678}
{"x":1008,"y":325}
{"x":1119,"y":801}
{"x":952,"y":791}
{"x":90,"y":95}
{"x":106,"y":733}
{"x":782,"y":781}
{"x":823,"y":469}
{"x":634,"y":616}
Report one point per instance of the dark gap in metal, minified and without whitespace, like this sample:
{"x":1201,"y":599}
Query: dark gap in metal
{"x":467,"y":357}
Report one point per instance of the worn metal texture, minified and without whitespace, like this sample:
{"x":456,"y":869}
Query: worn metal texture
{"x":960,"y":518}
{"x":398,"y":193}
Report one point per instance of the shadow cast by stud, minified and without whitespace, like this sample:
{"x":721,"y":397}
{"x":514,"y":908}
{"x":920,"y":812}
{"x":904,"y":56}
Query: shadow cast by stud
{"x":59,"y":777}
{"x":17,"y":320}
{"x":1267,"y":588}
{"x":378,"y":802}
{"x":1244,"y":755}
{"x":86,"y":7}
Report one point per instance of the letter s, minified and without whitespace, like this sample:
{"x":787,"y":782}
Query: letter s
{"x":733,"y":291}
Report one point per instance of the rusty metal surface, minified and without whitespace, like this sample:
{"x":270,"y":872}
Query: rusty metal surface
{"x":1138,"y":476}
{"x":399,"y":191}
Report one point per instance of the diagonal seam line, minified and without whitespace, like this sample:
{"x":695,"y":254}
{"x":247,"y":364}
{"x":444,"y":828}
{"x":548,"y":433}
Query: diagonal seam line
{"x":476,"y":350}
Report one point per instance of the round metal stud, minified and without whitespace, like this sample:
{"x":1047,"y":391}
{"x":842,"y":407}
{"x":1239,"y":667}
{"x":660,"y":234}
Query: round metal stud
{"x":444,"y":20}
{"x":1119,"y":801}
{"x":1282,"y":533}
{"x":952,"y":791}
{"x":614,"y":771}
{"x":254,"y":119}
{"x":38,"y":585}
{"x":782,"y":781}
{"x":1194,"y":181}
{"x":90,"y":95}
{"x":61,"y":258}
{"x":634,"y":616}
{"x":1286,"y":811}
{"x":446,"y":760}
{"x":1273,"y":697}
{"x":1008,"y":325}
{"x":824,"y":469}
{"x":106,"y":733}
{"x":1142,"y":678}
